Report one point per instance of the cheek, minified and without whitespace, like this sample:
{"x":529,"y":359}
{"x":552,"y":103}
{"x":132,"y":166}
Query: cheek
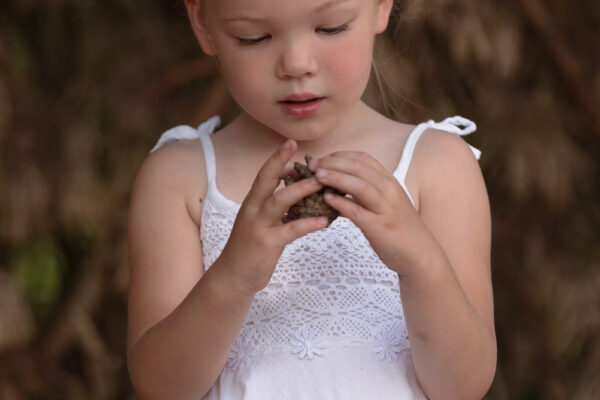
{"x":351,"y":63}
{"x":245,"y":78}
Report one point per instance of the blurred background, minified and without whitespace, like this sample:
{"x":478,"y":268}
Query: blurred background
{"x":87,"y":87}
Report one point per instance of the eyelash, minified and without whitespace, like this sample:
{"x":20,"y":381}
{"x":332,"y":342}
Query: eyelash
{"x":325,"y":31}
{"x":253,"y":42}
{"x":335,"y":30}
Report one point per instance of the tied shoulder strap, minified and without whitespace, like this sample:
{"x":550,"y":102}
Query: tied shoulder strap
{"x":184,"y":132}
{"x":203,"y":132}
{"x":459,"y":126}
{"x":456,"y":125}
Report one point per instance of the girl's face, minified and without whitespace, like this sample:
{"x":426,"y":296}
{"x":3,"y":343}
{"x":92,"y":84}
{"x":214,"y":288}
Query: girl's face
{"x":298,"y":67}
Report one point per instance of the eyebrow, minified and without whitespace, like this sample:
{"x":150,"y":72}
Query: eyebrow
{"x":320,"y":9}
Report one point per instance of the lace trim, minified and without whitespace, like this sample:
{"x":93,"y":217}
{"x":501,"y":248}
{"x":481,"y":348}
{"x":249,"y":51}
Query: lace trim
{"x":241,"y":354}
{"x":306,"y":343}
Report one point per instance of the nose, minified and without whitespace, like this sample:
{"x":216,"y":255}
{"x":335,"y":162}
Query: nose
{"x":296,"y":60}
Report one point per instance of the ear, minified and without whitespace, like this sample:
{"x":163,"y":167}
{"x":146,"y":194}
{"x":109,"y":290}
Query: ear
{"x":196,"y":16}
{"x":384,"y":8}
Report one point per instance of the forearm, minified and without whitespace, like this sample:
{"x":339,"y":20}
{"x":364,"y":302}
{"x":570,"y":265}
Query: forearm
{"x":453,"y":349}
{"x":182,"y":356}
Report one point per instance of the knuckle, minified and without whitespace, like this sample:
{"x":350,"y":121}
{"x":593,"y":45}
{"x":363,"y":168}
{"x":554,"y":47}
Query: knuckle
{"x":247,"y":210}
{"x":387,"y":224}
{"x":354,"y":211}
{"x":299,"y":227}
{"x":261,"y":241}
{"x":362,"y":186}
{"x":280,"y":153}
{"x":263,"y":174}
{"x":310,"y":183}
{"x":354,"y":166}
{"x":363,"y":157}
{"x":394,"y":190}
{"x":295,"y":228}
{"x":274,"y":200}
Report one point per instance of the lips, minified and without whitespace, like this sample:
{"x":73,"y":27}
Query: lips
{"x":302,"y":104}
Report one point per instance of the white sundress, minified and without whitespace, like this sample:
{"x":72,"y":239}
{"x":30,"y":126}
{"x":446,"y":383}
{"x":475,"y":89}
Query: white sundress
{"x":330,"y":323}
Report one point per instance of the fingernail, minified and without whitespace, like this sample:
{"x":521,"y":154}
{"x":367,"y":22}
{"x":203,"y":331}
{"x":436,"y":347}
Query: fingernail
{"x":287,"y":145}
{"x":323,"y":221}
{"x":322,"y":173}
{"x":314,"y":182}
{"x":329,"y":196}
{"x":312,"y":165}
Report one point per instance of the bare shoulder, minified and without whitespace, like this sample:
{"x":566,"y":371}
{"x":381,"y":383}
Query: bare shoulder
{"x":176,"y":169}
{"x":444,"y":160}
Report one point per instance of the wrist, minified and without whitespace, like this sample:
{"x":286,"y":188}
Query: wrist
{"x":225,"y":280}
{"x":426,"y":256}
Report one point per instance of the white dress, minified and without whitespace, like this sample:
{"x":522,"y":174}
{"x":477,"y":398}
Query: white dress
{"x":330,"y":324}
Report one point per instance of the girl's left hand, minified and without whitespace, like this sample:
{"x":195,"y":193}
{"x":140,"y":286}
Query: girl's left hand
{"x":378,"y":206}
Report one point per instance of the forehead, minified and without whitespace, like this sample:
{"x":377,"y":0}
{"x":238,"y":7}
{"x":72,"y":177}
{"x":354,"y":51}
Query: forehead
{"x":273,"y":8}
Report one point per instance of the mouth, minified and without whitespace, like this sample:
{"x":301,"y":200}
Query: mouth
{"x":301,"y":101}
{"x":301,"y":98}
{"x":302,"y":105}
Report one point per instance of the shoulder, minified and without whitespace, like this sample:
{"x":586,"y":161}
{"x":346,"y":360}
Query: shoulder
{"x":444,"y":163}
{"x":175,"y":171}
{"x":440,"y":152}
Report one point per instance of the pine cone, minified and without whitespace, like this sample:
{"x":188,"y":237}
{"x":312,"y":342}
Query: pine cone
{"x":313,"y":205}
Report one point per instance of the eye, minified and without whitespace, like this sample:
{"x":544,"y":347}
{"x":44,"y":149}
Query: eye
{"x":253,"y":41}
{"x":333,"y":30}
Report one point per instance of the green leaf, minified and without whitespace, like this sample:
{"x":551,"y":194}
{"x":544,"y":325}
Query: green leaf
{"x":38,"y":269}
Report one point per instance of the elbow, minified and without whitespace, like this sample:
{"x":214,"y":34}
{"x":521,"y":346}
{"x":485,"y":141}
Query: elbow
{"x":487,"y":377}
{"x":152,"y":380}
{"x":142,"y":379}
{"x":472,"y":384}
{"x":481,"y":379}
{"x":480,"y":382}
{"x":146,"y":379}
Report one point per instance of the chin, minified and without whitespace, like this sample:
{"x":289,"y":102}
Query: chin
{"x":303,"y":129}
{"x":303,"y":132}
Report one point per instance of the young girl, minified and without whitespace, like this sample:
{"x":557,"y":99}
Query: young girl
{"x":229,"y":300}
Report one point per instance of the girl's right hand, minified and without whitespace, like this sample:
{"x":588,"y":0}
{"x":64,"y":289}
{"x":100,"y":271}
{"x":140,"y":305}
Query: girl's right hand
{"x":259,"y":236}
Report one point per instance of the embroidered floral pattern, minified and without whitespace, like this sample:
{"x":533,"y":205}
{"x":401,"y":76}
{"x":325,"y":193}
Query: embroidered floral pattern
{"x":388,"y":345}
{"x":306,"y":343}
{"x":240,"y":354}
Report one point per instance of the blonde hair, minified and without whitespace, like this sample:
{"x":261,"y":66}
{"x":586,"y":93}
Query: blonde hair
{"x":383,"y":90}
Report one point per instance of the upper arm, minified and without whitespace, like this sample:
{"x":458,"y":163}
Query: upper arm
{"x":165,"y":255}
{"x":453,"y":203}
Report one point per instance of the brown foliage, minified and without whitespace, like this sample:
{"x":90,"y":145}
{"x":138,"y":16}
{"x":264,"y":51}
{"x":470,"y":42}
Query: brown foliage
{"x":87,"y":87}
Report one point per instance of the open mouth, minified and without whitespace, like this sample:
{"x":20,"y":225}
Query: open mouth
{"x":302,"y":106}
{"x":302,"y":101}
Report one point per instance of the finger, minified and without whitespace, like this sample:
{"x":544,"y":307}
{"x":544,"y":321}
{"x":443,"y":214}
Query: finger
{"x":289,"y":170}
{"x":279,"y":202}
{"x":348,"y":208}
{"x":359,"y":156}
{"x":268,"y":177}
{"x":362,"y":190}
{"x":295,"y":229}
{"x":357,"y":164}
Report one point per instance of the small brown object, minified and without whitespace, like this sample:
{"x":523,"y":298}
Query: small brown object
{"x":313,"y":205}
